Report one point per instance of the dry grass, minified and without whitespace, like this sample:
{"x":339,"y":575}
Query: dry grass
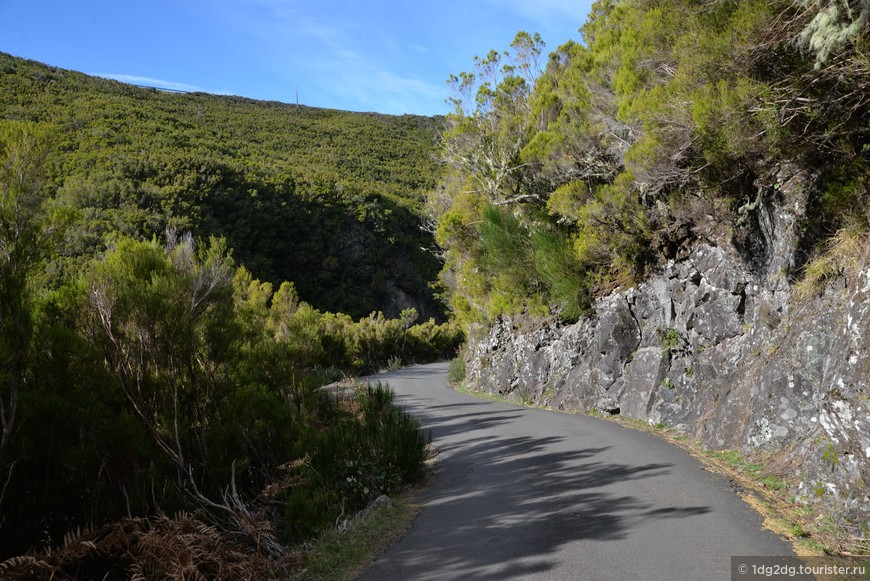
{"x":846,"y":252}
{"x":181,"y":547}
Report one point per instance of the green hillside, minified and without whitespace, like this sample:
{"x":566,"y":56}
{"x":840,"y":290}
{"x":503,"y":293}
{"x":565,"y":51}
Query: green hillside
{"x":179,"y":275}
{"x":327,"y":199}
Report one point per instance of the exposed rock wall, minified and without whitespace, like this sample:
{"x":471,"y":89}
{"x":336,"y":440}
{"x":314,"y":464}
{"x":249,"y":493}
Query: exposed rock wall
{"x":716,"y":346}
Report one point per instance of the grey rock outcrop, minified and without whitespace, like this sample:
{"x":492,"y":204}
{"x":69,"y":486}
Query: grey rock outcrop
{"x":718,"y":347}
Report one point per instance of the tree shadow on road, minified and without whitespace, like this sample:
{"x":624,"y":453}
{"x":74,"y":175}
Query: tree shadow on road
{"x":499,"y":508}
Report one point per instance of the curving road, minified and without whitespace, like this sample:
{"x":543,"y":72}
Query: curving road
{"x":523,"y":493}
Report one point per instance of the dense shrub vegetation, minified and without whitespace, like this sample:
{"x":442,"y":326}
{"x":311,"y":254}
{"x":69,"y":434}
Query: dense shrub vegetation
{"x":165,"y":374}
{"x":158,"y":376}
{"x":328,"y":199}
{"x":573,"y":174}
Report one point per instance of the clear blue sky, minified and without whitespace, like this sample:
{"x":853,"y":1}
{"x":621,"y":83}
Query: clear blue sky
{"x":390,"y":56}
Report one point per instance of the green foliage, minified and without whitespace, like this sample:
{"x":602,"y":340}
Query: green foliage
{"x":367,"y":452}
{"x":24,"y":150}
{"x":774,"y":483}
{"x":507,"y":250}
{"x":489,"y":124}
{"x":845,"y":195}
{"x":338,"y":554}
{"x":142,"y":372}
{"x":394,"y":363}
{"x":560,"y":272}
{"x":508,"y":262}
{"x":166,"y":374}
{"x":668,"y":118}
{"x":456,"y":372}
{"x":328,"y":199}
{"x":669,"y":338}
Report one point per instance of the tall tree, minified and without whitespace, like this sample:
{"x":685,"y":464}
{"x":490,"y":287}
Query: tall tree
{"x":163,"y":316}
{"x":489,"y":125}
{"x":25,"y":233}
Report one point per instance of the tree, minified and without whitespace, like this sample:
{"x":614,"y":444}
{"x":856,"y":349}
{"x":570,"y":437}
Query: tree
{"x":154,"y":308}
{"x":26,"y":231}
{"x":165,"y":320}
{"x":489,"y":125}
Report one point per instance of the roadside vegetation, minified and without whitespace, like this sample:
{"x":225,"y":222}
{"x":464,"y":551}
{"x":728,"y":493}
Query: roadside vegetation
{"x":161,"y":378}
{"x":156,"y":359}
{"x":342,"y":555}
{"x":572,"y":173}
{"x":671,"y":124}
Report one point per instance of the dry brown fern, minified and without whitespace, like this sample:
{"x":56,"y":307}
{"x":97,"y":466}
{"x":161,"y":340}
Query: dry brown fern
{"x":24,"y":567}
{"x":181,"y":547}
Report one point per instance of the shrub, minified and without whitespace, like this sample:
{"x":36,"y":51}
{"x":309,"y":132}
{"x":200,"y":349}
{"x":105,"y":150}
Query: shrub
{"x":506,"y":246}
{"x":372,"y":448}
{"x":560,"y":271}
{"x":456,"y":373}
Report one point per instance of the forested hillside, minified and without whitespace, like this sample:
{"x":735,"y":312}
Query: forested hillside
{"x":167,"y":268}
{"x":327,"y":199}
{"x":574,"y":173}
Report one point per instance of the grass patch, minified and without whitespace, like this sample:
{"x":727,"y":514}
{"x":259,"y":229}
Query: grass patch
{"x":847,"y":249}
{"x":735,"y":459}
{"x":339,"y":556}
{"x":482,"y":394}
{"x":371,"y":448}
{"x":521,"y":401}
{"x":394,"y":363}
{"x":456,"y":372}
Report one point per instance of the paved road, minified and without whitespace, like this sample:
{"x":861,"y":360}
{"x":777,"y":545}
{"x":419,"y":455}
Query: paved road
{"x":524,"y":493}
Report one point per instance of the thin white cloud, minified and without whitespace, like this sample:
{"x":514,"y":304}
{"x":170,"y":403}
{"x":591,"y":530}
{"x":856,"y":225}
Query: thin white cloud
{"x":358,"y":79}
{"x":328,"y":57}
{"x":157,"y":83}
{"x":545,"y":11}
{"x":282,"y":22}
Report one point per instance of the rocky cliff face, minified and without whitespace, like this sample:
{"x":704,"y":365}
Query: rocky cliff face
{"x":717,"y":346}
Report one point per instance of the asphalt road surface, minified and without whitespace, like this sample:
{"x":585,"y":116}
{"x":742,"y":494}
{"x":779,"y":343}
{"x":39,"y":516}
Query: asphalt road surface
{"x":523,"y":493}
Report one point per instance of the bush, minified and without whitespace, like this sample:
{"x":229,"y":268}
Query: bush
{"x":507,"y":250}
{"x":456,"y":373}
{"x":372,"y":448}
{"x":394,"y":363}
{"x":561,"y":272}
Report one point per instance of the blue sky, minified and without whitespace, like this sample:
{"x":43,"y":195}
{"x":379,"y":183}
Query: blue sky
{"x":389,"y":56}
